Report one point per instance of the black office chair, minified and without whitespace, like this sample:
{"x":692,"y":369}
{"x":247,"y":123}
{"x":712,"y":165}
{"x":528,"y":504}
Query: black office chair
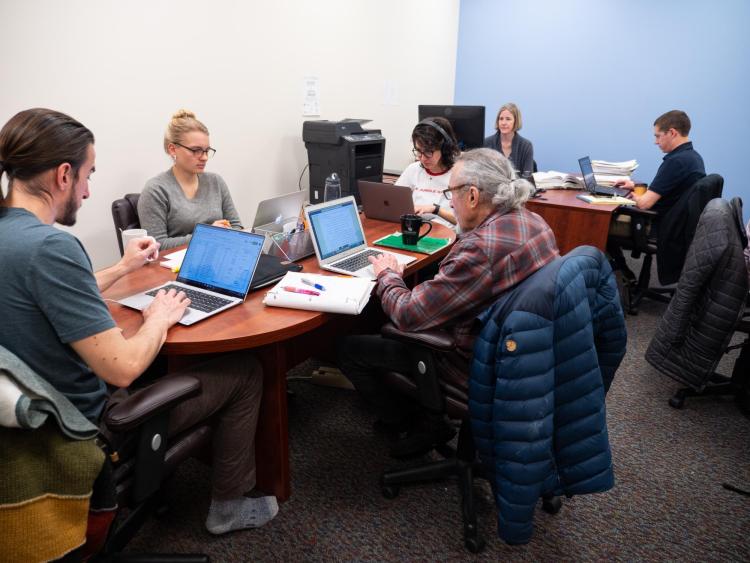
{"x":444,"y":393}
{"x":125,"y":216}
{"x":670,"y":244}
{"x":709,"y":305}
{"x":135,"y":431}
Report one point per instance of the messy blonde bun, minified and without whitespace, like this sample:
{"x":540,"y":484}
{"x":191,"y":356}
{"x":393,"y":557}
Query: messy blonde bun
{"x":183,"y":121}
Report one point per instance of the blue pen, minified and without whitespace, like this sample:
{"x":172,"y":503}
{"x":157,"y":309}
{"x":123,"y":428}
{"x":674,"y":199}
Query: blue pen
{"x":313,"y":284}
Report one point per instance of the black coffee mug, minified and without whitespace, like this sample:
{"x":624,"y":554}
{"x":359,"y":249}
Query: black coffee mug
{"x":411,"y":225}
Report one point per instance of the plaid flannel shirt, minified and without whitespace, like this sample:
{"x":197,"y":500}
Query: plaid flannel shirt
{"x":502,"y":251}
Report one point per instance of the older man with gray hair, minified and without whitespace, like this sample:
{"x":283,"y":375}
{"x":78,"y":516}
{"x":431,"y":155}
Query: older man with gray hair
{"x":502,"y":243}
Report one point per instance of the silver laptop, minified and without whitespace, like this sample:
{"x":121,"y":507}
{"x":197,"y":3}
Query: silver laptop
{"x":386,"y":202}
{"x":339,"y":240}
{"x":215,"y":274}
{"x":273,"y":213}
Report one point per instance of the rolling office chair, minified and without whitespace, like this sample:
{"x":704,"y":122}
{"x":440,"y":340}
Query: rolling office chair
{"x":125,"y":216}
{"x":670,"y":245}
{"x":540,"y":323}
{"x":709,"y":305}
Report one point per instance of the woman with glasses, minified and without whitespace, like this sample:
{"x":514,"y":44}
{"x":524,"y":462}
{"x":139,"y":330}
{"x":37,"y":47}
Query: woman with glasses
{"x":509,"y":143}
{"x":436,"y":149}
{"x":173,"y":202}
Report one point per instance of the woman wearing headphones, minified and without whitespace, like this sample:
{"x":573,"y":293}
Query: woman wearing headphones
{"x":509,"y":143}
{"x":435,"y":148}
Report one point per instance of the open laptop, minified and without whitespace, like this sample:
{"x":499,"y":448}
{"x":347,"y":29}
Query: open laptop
{"x":339,"y":240}
{"x":589,"y":180}
{"x":386,"y":202}
{"x":215,"y":274}
{"x":273,"y":213}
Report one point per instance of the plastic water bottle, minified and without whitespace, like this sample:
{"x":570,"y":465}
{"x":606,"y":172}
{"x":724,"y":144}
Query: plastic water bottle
{"x":332,"y":187}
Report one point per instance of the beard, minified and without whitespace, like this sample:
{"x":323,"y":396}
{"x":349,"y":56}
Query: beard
{"x":70,"y":211}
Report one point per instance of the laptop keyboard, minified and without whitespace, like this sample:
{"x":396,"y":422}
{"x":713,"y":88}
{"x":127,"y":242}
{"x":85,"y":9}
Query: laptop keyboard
{"x":356,"y":262}
{"x":198,"y":300}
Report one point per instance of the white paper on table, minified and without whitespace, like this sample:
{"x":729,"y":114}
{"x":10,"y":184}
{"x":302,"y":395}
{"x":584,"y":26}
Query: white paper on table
{"x":174,"y":260}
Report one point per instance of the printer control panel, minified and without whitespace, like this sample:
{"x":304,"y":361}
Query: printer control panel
{"x":366,"y":137}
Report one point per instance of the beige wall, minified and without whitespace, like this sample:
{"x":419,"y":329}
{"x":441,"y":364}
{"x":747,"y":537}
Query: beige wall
{"x":122,"y":68}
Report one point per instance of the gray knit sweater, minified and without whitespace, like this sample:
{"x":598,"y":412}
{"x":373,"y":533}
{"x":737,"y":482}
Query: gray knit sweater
{"x":170,"y":217}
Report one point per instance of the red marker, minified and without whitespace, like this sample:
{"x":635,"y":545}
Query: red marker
{"x":300,"y":290}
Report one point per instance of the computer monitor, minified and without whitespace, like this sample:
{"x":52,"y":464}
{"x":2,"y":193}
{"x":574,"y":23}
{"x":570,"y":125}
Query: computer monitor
{"x":467,"y":122}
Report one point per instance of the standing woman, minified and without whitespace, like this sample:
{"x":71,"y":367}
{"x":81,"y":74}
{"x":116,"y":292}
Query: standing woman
{"x":515,"y":148}
{"x":173,"y":202}
{"x":436,"y":149}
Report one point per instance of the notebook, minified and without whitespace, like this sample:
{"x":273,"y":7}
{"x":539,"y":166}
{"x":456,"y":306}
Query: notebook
{"x":339,"y":240}
{"x":273,"y":213}
{"x":215,"y":274}
{"x":589,"y":180}
{"x":386,"y":202}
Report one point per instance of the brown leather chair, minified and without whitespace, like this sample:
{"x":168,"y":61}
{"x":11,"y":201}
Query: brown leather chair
{"x":125,"y":216}
{"x":438,"y":385}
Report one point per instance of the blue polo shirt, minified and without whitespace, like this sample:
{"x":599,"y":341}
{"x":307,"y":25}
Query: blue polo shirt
{"x":679,"y":170}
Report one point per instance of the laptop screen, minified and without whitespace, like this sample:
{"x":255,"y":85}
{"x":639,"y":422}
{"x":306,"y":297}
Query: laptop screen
{"x":589,"y":181}
{"x":336,"y":228}
{"x":221,"y":260}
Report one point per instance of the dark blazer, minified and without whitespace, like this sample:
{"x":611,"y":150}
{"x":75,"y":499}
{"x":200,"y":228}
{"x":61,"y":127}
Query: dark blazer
{"x":521,"y":152}
{"x":543,"y":361}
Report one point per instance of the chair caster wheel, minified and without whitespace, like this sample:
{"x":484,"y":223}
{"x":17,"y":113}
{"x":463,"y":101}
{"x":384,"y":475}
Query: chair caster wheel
{"x":475,"y":544}
{"x":390,"y":491}
{"x":552,"y":505}
{"x":677,"y":402}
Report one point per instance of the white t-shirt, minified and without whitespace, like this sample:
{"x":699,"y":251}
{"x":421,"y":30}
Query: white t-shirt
{"x":426,"y":188}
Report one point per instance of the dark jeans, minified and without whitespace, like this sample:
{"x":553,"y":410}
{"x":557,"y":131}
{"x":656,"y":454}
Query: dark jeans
{"x":364,"y":359}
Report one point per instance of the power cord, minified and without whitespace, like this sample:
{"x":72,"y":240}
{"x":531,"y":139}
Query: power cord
{"x":299,"y":182}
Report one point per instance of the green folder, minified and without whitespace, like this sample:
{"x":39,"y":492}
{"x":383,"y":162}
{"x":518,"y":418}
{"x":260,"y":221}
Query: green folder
{"x":425,"y":245}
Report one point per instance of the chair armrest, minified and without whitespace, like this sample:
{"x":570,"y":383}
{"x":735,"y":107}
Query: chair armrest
{"x":634,"y":211}
{"x":438,"y":340}
{"x":150,"y":401}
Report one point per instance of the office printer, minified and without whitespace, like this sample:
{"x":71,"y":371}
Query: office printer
{"x":346,"y":148}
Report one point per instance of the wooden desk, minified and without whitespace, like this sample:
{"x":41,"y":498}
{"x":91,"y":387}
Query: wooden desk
{"x":573,"y":221}
{"x":281,"y":338}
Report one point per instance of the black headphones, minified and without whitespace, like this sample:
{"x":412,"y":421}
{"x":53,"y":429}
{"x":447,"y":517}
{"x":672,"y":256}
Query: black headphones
{"x":439,"y":129}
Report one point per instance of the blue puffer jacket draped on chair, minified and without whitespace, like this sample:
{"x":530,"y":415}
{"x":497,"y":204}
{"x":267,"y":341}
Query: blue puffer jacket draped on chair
{"x":543,"y":362}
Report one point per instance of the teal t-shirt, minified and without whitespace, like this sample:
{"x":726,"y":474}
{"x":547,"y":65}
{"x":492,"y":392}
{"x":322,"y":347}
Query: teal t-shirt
{"x":48,"y":299}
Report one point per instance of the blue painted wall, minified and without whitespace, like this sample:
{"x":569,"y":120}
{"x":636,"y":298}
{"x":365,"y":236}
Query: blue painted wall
{"x":591,"y":76}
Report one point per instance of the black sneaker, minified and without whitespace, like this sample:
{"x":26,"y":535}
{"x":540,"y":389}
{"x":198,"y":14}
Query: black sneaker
{"x":422,"y":439}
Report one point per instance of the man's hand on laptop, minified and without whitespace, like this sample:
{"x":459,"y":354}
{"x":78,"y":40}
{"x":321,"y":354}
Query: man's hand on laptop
{"x":167,"y":305}
{"x":625,"y":184}
{"x":383,"y":262}
{"x":222,"y":223}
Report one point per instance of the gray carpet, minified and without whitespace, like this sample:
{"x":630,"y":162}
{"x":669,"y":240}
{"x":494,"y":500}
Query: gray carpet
{"x":668,"y":503}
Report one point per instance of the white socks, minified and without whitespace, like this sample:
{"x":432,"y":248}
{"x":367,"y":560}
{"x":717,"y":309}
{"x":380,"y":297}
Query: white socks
{"x":237,"y":514}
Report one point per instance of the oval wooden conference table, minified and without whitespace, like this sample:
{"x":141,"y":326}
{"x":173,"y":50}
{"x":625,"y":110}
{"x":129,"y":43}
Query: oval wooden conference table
{"x":281,"y":338}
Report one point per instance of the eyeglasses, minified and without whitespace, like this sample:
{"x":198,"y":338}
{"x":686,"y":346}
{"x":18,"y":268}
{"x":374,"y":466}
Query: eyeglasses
{"x":197,"y":151}
{"x":417,"y":153}
{"x":447,"y":192}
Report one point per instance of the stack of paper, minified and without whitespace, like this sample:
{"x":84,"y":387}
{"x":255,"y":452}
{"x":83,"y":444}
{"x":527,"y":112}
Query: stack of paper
{"x":610,"y":173}
{"x":313,"y":292}
{"x":557,"y":180}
